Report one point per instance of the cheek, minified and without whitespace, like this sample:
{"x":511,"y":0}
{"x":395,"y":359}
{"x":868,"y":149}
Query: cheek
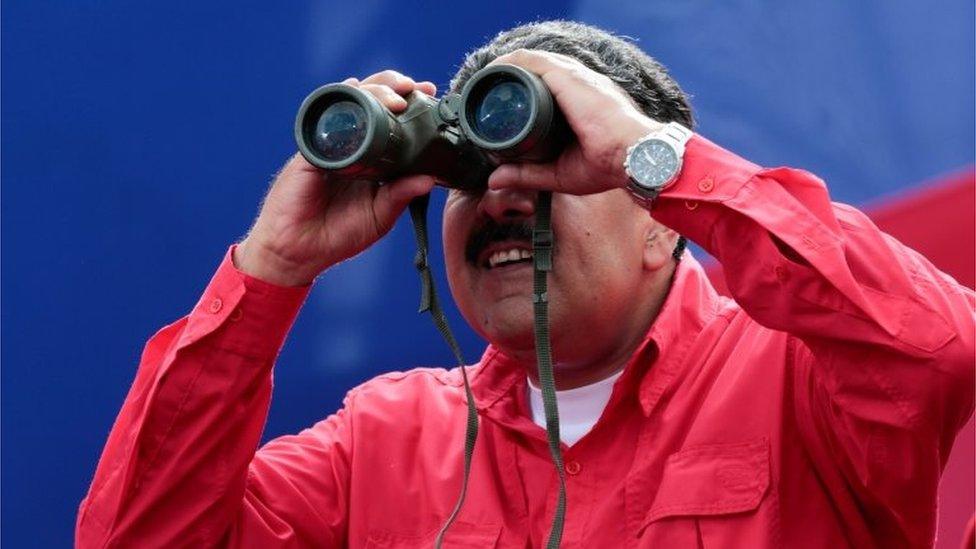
{"x":454,"y":262}
{"x":598,"y":260}
{"x":453,"y":232}
{"x":454,"y":240}
{"x":453,"y":252}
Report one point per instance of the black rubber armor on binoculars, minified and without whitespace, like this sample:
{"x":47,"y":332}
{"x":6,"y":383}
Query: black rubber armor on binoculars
{"x":503,"y":114}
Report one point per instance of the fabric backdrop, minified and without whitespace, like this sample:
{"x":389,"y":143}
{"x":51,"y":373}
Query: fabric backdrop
{"x":138,"y":139}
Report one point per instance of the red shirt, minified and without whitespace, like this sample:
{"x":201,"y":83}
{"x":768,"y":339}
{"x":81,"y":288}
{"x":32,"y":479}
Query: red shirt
{"x":815,"y":410}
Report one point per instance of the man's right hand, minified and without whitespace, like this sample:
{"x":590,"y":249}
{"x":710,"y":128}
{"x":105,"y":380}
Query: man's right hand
{"x":309,"y":223}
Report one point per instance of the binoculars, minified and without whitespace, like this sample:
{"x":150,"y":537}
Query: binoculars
{"x":503,"y":114}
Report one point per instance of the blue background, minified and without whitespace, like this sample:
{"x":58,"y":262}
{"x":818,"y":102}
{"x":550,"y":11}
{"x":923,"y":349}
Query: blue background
{"x":138,"y":140}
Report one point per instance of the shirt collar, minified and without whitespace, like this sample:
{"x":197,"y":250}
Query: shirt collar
{"x":691,"y":302}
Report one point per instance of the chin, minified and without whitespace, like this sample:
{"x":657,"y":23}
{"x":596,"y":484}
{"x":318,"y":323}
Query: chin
{"x":511,"y":328}
{"x":512,"y":340}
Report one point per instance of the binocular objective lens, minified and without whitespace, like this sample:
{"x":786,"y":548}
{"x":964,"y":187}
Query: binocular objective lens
{"x":340,"y":130}
{"x":503,"y":112}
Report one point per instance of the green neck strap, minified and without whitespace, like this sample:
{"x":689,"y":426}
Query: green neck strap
{"x":428,"y":302}
{"x":542,"y":240}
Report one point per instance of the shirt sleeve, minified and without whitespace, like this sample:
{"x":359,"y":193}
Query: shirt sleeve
{"x":179,"y":467}
{"x":882,"y":347}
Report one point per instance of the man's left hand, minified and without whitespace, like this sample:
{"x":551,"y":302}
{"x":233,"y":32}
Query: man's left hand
{"x":604,"y":118}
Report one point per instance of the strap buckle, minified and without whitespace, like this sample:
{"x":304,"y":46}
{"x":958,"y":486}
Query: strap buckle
{"x":542,"y":249}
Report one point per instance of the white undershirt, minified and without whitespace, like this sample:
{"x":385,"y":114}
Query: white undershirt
{"x":579,"y":408}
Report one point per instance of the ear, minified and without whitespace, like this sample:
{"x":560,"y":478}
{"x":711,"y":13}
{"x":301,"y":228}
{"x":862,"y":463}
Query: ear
{"x":659,"y":245}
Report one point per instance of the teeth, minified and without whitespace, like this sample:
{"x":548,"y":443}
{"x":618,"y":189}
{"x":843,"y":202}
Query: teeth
{"x":505,"y":256}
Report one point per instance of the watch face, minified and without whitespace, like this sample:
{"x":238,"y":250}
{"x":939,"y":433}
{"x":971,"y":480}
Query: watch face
{"x":653,"y":163}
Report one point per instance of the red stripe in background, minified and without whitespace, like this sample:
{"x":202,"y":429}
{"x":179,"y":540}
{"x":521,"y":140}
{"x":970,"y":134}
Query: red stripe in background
{"x":937,"y":219}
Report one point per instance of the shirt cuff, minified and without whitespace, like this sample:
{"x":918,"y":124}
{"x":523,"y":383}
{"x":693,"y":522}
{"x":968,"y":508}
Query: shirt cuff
{"x":255,"y":315}
{"x":710,"y":173}
{"x":710,"y":176}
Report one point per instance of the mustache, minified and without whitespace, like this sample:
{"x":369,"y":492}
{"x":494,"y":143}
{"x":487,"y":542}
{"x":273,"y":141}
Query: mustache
{"x":492,"y":232}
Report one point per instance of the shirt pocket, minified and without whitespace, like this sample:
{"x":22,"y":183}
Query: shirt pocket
{"x":711,"y":496}
{"x":460,"y":535}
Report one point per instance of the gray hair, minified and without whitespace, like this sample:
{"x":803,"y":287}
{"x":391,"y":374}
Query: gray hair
{"x":640,"y":75}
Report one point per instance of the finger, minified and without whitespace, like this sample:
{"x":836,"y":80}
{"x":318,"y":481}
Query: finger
{"x":562,"y":74}
{"x":297,"y":178}
{"x":351,"y":81}
{"x":392,"y":198}
{"x":399,"y":83}
{"x":582,"y":94}
{"x":540,"y":177}
{"x":386,"y":95}
{"x":427,"y":87}
{"x":297,"y":166}
{"x":537,"y":61}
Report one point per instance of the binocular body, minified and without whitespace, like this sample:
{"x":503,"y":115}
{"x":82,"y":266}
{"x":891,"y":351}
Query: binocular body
{"x":503,"y":114}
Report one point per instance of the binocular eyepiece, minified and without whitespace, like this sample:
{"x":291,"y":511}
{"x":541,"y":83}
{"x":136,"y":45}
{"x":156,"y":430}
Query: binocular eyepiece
{"x":503,"y":114}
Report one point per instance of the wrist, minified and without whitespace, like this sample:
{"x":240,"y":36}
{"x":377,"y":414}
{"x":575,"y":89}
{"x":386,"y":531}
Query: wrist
{"x":654,"y":162}
{"x":633,"y":130}
{"x":258,"y":261}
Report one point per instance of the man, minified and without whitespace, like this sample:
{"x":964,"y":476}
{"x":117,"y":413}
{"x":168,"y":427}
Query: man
{"x":815,"y":410}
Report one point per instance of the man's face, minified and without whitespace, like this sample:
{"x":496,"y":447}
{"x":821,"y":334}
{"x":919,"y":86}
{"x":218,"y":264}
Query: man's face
{"x":598,"y":282}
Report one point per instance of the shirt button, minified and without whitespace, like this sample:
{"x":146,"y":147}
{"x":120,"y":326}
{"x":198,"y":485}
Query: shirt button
{"x":691,"y":204}
{"x":216,"y":305}
{"x":236,"y":315}
{"x":706,"y":185}
{"x":573,"y":467}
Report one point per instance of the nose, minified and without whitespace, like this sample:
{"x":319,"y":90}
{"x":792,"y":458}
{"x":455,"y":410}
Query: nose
{"x":507,"y":204}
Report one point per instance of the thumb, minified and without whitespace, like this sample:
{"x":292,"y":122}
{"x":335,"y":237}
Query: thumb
{"x":392,"y":198}
{"x":539,"y":177}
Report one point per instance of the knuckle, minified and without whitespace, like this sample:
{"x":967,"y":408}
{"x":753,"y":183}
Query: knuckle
{"x":563,"y":57}
{"x":584,"y":75}
{"x":579,"y":73}
{"x":376,"y":77}
{"x":513,"y":56}
{"x":559,"y":180}
{"x":379,"y":90}
{"x":375,"y":91}
{"x":390,"y":76}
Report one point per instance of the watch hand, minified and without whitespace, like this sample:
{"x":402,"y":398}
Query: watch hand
{"x":647,"y":155}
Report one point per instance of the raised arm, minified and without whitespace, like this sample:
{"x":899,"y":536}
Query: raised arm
{"x":174,"y":468}
{"x":180,"y":467}
{"x":882,"y":342}
{"x":883,"y":355}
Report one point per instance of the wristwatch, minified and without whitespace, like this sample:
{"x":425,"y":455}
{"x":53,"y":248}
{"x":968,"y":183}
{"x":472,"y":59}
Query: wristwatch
{"x":654,"y":162}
